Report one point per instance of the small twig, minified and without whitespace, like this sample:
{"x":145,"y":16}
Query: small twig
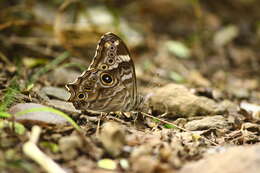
{"x":31,"y":150}
{"x":185,"y":130}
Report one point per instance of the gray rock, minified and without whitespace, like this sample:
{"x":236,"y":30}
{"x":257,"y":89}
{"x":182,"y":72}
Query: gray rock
{"x":217,"y":121}
{"x":62,"y":105}
{"x":113,"y":138}
{"x":60,"y":93}
{"x":33,"y":113}
{"x":63,"y":76}
{"x":177,"y":100}
{"x":229,"y":106}
{"x":69,"y":145}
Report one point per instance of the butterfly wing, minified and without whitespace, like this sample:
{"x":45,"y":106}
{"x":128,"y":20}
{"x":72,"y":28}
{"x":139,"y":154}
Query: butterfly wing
{"x":111,"y":60}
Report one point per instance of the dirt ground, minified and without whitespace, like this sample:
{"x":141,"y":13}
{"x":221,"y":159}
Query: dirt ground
{"x":197,"y":68}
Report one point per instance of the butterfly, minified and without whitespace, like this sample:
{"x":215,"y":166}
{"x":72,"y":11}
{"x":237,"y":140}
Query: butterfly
{"x":109,"y":84}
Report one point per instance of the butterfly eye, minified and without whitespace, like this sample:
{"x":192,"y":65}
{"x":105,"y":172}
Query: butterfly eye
{"x":106,"y":79}
{"x":81,"y":96}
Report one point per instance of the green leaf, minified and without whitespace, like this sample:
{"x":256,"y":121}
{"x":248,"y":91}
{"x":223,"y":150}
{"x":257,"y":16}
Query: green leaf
{"x":31,"y":62}
{"x":107,"y":164}
{"x":169,"y":126}
{"x":29,"y":87}
{"x":52,"y":146}
{"x":18,"y":128}
{"x":178,"y":49}
{"x":156,"y":120}
{"x":176,"y":77}
{"x":5,"y":115}
{"x":124,"y":163}
{"x":196,"y":137}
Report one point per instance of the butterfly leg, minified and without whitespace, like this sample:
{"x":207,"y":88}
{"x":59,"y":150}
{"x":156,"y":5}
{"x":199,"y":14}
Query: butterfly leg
{"x":102,"y":114}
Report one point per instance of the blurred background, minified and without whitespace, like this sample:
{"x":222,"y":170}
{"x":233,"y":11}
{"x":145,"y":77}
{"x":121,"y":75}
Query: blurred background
{"x":212,"y":46}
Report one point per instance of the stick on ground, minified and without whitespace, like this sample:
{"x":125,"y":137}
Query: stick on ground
{"x":31,"y":150}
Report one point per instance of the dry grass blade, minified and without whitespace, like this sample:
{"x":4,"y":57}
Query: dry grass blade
{"x":48,"y":67}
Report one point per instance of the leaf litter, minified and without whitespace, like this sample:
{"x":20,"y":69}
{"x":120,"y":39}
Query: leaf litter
{"x":212,"y":113}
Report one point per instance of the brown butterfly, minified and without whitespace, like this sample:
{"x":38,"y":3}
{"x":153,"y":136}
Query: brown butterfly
{"x":109,"y":84}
